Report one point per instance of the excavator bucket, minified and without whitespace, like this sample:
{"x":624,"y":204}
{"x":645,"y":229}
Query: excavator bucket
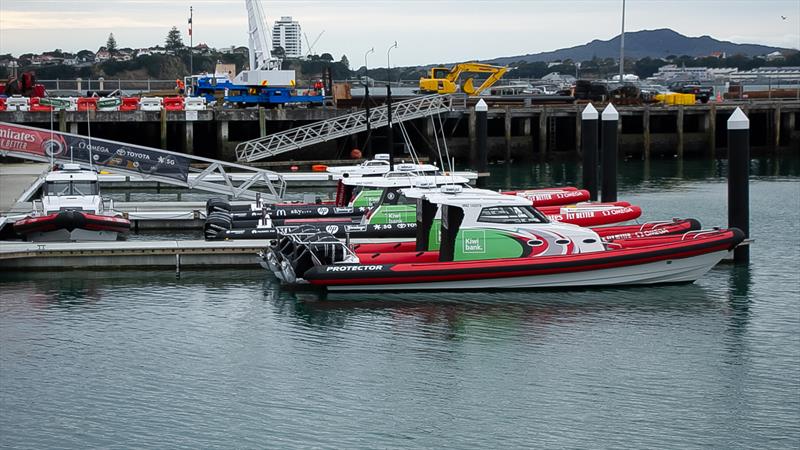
{"x":467,"y":87}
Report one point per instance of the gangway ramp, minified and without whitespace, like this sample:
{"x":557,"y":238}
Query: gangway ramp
{"x":341,"y":126}
{"x":234,"y":180}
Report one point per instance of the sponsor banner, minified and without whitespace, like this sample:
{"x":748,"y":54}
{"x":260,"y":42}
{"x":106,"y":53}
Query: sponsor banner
{"x":102,"y":153}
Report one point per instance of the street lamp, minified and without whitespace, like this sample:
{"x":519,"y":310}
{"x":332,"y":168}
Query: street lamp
{"x":390,"y":135}
{"x":622,"y":45}
{"x":389,"y":64}
{"x":366,"y":101}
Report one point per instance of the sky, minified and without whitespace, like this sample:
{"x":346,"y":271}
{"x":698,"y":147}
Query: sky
{"x":427,"y":32}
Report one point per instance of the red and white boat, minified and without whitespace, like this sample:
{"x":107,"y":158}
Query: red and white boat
{"x":552,"y":196}
{"x":495,"y":242}
{"x":71,"y":209}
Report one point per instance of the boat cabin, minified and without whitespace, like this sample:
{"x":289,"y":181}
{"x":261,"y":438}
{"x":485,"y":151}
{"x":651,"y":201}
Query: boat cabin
{"x":380,"y":166}
{"x":367,"y":191}
{"x":71,"y":188}
{"x":478,"y":224}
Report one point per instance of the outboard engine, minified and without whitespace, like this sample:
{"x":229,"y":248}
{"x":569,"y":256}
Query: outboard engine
{"x":217,"y":204}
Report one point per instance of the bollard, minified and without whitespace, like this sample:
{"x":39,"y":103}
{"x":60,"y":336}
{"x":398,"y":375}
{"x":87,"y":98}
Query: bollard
{"x":481,"y":131}
{"x":738,"y":180}
{"x":589,"y":118}
{"x":610,"y":121}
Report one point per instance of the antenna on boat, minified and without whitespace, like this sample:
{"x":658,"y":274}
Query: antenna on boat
{"x":446,"y":150}
{"x":52,"y":139}
{"x":89,"y":136}
{"x":438,"y":149}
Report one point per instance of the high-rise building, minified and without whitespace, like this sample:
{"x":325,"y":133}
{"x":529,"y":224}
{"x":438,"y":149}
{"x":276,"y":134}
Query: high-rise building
{"x":286,"y":34}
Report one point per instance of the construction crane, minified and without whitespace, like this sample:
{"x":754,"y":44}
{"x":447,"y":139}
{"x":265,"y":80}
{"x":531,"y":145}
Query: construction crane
{"x":264,"y":83}
{"x":311,"y":45}
{"x":444,"y":81}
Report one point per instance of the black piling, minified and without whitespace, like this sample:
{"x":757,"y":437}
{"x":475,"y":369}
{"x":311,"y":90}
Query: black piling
{"x":589,"y":130}
{"x":481,"y":131}
{"x":739,"y":179}
{"x":610,"y":121}
{"x":390,"y":130}
{"x":367,"y":154}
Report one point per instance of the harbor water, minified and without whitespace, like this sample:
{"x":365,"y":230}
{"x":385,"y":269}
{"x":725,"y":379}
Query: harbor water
{"x":228,"y":358}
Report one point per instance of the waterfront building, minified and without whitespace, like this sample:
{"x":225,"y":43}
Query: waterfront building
{"x":287,"y":35}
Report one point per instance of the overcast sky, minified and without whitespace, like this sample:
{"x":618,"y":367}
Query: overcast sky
{"x":428,"y":31}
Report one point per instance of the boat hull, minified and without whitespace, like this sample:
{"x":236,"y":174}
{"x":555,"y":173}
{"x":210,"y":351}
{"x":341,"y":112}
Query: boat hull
{"x":660,"y":259}
{"x":684,"y":270}
{"x":71,"y":225}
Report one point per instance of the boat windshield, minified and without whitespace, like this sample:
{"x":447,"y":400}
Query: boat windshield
{"x":511,"y":215}
{"x":63,"y":188}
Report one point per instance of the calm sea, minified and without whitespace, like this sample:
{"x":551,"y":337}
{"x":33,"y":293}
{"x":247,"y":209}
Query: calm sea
{"x":229,"y":359}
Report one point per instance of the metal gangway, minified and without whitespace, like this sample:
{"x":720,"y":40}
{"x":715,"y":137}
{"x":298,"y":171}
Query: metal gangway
{"x":234,"y":180}
{"x":341,"y":126}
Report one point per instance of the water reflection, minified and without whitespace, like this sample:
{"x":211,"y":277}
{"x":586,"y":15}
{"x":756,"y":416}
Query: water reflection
{"x":739,"y":302}
{"x":454,"y":312}
{"x":635,"y":174}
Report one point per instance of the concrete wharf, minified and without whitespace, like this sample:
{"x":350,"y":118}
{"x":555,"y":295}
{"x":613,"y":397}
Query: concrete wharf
{"x":516,"y":130}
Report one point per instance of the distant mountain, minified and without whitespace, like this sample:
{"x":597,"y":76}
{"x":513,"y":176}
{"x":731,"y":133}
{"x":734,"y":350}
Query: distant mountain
{"x":640,"y":44}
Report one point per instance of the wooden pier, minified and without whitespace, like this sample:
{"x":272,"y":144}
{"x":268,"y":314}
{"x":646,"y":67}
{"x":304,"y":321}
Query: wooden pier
{"x":515,"y":131}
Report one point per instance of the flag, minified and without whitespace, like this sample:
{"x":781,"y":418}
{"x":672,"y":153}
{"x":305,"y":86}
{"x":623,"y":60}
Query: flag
{"x":190,"y":22}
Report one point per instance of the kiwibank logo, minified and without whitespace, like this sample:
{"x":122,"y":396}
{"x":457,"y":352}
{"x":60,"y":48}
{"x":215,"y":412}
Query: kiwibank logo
{"x":474,"y":241}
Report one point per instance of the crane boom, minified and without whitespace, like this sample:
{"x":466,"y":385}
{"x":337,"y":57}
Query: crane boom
{"x":259,"y":38}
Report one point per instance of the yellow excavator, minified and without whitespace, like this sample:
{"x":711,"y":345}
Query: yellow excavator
{"x":444,"y":81}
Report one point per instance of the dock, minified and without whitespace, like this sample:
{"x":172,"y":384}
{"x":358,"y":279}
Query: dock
{"x":129,"y":254}
{"x":516,"y":130}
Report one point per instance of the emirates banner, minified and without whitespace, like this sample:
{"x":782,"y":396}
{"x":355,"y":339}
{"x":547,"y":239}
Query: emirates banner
{"x":64,"y":147}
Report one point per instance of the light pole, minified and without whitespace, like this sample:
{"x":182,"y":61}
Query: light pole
{"x":390,"y":135}
{"x":366,"y":101}
{"x":622,"y":45}
{"x":191,"y":43}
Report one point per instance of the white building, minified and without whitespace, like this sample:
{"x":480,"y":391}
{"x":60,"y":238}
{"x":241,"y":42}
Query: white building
{"x":672,"y":72}
{"x":286,"y":34}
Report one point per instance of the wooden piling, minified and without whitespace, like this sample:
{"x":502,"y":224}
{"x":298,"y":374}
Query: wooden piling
{"x":163,"y":134}
{"x":508,"y":132}
{"x":62,"y":121}
{"x":189,"y":144}
{"x":777,"y":128}
{"x":222,"y":138}
{"x":712,"y":131}
{"x":680,"y":132}
{"x":543,"y":133}
{"x":646,"y":127}
{"x":578,"y":130}
{"x":262,"y":121}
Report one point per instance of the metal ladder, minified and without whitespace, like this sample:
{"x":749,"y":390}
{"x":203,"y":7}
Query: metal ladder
{"x":341,"y":126}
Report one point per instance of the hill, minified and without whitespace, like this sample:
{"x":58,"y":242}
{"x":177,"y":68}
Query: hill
{"x":640,"y":44}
